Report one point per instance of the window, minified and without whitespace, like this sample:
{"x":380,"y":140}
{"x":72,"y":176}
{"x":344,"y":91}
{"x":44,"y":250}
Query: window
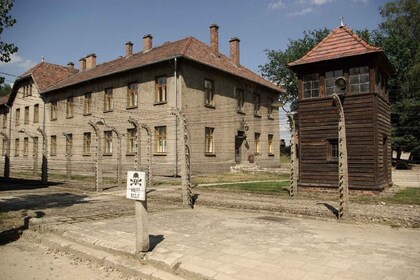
{"x":131,"y":141}
{"x":209,"y":92}
{"x":69,"y":107}
{"x":53,"y":110}
{"x":17,"y":117}
{"x":359,"y":79}
{"x":108,"y":100}
{"x":69,"y":144}
{"x":330,"y":78}
{"x":108,"y":142}
{"x":87,"y":104}
{"x":257,"y":105}
{"x":132,"y":95}
{"x":332,"y":150}
{"x":257,"y":144}
{"x":311,"y":86}
{"x":240,"y":97}
{"x":25,"y":146}
{"x":160,"y":96}
{"x":4,"y":120}
{"x":270,"y":145}
{"x":35,"y":146}
{"x":17,"y":147}
{"x":30,"y":90}
{"x":87,"y":140}
{"x":270,"y":109}
{"x":209,"y":134}
{"x":160,"y":139}
{"x":26,"y":116}
{"x":36,"y":113}
{"x":53,"y":151}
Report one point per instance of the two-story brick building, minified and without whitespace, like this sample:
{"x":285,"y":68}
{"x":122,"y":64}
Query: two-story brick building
{"x":227,"y":108}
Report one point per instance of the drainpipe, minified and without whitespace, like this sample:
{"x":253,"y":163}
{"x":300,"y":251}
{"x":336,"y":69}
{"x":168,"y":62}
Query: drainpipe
{"x":176,"y":119}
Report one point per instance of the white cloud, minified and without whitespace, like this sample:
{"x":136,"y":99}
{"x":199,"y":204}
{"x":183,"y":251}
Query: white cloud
{"x":18,"y":61}
{"x":315,"y":2}
{"x":302,"y":12}
{"x":276,"y":5}
{"x":361,"y":1}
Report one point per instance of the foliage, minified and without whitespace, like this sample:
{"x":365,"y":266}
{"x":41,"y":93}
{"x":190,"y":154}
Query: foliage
{"x":6,"y":21}
{"x":5,"y":89}
{"x":398,"y":35}
{"x":277,"y":71}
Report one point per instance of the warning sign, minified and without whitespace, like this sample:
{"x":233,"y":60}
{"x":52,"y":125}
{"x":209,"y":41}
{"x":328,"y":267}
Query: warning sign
{"x":136,"y":185}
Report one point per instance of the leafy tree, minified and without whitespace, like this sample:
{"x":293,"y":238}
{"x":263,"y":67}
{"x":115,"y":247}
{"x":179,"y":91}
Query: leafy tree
{"x":277,"y":71}
{"x":6,"y":21}
{"x":398,"y":35}
{"x":5,"y":89}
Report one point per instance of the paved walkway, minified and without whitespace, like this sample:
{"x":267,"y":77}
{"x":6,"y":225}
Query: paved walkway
{"x":207,"y":243}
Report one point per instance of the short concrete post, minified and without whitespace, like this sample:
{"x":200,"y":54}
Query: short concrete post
{"x":142,"y":227}
{"x":44,"y":167}
{"x":6,"y":173}
{"x":293,"y":158}
{"x":98,"y":165}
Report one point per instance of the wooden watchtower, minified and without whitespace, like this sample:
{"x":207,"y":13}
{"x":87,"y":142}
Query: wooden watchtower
{"x":345,"y":64}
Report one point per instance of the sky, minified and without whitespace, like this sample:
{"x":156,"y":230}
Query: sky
{"x":63,"y":31}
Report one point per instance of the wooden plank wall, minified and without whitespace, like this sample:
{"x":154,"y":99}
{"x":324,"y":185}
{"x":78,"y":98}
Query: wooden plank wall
{"x":318,"y":122}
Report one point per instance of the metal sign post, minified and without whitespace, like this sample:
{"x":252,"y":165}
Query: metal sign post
{"x":136,"y":190}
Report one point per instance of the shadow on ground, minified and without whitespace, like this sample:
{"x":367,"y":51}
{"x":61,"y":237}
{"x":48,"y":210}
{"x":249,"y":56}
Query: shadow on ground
{"x":15,"y":184}
{"x":14,"y":234}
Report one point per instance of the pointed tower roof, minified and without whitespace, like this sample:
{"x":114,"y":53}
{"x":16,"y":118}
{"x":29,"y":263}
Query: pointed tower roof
{"x":340,"y":43}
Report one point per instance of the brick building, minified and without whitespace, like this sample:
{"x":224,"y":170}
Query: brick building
{"x":227,"y":109}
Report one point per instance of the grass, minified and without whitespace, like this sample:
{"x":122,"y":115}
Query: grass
{"x":257,"y":187}
{"x":237,"y":177}
{"x":406,"y":196}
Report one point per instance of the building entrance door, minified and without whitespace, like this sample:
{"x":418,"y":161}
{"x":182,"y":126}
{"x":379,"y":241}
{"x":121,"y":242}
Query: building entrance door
{"x":239,"y":139}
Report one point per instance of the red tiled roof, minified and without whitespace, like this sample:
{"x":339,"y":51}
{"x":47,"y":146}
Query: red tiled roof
{"x":4,"y":99}
{"x":341,"y":42}
{"x":46,"y":74}
{"x":189,"y":48}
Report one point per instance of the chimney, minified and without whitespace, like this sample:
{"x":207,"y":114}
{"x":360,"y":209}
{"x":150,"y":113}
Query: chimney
{"x":70,"y":66}
{"x":128,"y":49}
{"x":82,"y":64}
{"x":234,"y":50}
{"x":90,"y":61}
{"x":214,"y":38}
{"x":147,"y":42}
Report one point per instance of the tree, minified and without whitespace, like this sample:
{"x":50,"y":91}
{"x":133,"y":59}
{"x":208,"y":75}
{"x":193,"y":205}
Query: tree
{"x":6,"y":49}
{"x":398,"y":35}
{"x":277,"y":71}
{"x":5,"y":89}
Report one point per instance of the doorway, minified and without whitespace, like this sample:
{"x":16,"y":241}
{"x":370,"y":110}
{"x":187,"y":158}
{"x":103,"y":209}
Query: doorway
{"x":239,"y":139}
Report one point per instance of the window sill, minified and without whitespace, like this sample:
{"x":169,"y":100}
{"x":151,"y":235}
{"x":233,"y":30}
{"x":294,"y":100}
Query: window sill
{"x":210,"y":106}
{"x":159,"y":103}
{"x":132,"y":107}
{"x":271,"y":155}
{"x":159,"y":154}
{"x":269,"y":117}
{"x":86,"y":155}
{"x":240,"y":112}
{"x":54,"y":119}
{"x":257,"y":154}
{"x":107,"y":155}
{"x":108,"y":111}
{"x":69,"y":117}
{"x":87,"y":114}
{"x":130,"y":154}
{"x":210,"y":154}
{"x":332,"y":160}
{"x":257,"y":115}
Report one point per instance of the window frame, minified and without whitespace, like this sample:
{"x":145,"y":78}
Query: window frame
{"x":329,"y":82}
{"x":4,"y":120}
{"x":87,"y":143}
{"x":240,"y":98}
{"x":53,"y":110}
{"x":209,"y":93}
{"x":161,"y":146}
{"x":333,"y":150}
{"x":132,"y":95}
{"x":108,"y":100}
{"x":270,"y":139}
{"x":131,"y":141}
{"x":257,"y":139}
{"x":36,"y":113}
{"x":257,"y":105}
{"x":161,"y":90}
{"x":17,"y":117}
{"x":359,"y":76}
{"x":17,"y":148}
{"x":25,"y":146}
{"x":26,"y":115}
{"x":108,"y":145}
{"x":87,"y":104}
{"x":311,"y":84}
{"x":53,"y":145}
{"x":69,"y":107}
{"x":209,"y":148}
